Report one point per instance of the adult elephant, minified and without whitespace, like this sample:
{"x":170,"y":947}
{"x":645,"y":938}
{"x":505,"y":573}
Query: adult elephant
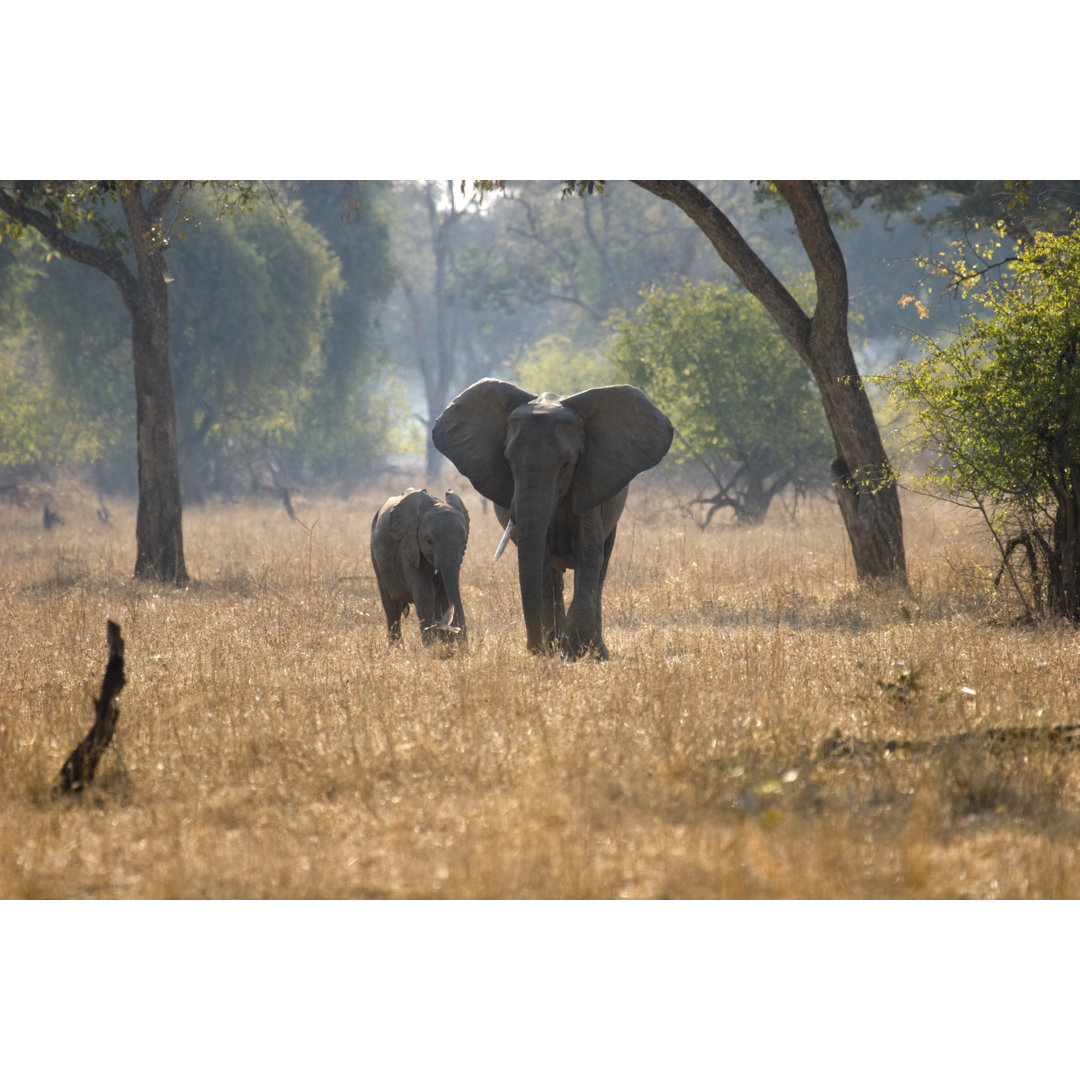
{"x":557,"y":470}
{"x":417,"y":545}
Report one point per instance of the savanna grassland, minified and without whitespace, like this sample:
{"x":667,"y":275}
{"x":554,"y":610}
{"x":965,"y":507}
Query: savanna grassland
{"x":761,"y":730}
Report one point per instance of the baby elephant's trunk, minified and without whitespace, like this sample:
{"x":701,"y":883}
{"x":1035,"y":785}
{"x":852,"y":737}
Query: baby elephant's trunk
{"x":452,"y":621}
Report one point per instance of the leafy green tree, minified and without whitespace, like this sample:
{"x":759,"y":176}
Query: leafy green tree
{"x":355,"y":409}
{"x":75,"y":343}
{"x":18,"y":276}
{"x":863,"y":477}
{"x":42,"y":424}
{"x":249,"y":298}
{"x":68,"y":216}
{"x":45,"y":422}
{"x":739,"y":396}
{"x":271,"y":349}
{"x":251,"y":304}
{"x":998,"y":412}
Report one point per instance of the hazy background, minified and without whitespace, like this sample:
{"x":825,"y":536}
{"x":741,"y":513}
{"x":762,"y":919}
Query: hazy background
{"x":314,"y":338}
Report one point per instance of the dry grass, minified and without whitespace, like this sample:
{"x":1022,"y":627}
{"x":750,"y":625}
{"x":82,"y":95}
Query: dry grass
{"x":270,"y":744}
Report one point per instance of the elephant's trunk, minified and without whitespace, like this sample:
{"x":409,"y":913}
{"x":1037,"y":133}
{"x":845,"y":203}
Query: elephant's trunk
{"x":534,"y":575}
{"x":452,"y":584}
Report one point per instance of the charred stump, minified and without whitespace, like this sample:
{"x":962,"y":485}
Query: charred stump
{"x":79,"y":769}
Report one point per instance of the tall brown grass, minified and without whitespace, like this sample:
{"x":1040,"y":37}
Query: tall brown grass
{"x":763,"y":728}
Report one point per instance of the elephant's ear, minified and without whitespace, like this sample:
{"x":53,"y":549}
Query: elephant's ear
{"x":471,"y":432}
{"x":405,"y":521}
{"x":625,"y":434}
{"x":452,"y":498}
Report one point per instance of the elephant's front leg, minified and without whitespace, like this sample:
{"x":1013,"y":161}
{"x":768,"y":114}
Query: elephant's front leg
{"x":583,"y":622}
{"x":552,"y":615}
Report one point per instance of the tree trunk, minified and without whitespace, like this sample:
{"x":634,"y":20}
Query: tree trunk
{"x":865,"y":486}
{"x":158,"y":534}
{"x":159,"y":537}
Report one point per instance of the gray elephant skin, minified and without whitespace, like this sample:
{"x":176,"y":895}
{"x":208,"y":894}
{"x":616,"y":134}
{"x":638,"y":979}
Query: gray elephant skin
{"x":417,"y":545}
{"x":557,"y":470}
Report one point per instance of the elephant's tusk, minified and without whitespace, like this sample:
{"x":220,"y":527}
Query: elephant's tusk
{"x":503,"y":542}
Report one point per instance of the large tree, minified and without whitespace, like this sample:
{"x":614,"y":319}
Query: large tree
{"x":276,"y":369}
{"x":69,"y":216}
{"x":863,"y":477}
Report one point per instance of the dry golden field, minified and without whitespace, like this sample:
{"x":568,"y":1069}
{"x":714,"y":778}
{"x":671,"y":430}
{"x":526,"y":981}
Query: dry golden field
{"x":762,"y":729}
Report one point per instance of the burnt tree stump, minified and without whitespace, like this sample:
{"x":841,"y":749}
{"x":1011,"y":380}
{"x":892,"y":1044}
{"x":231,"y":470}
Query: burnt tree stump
{"x":79,"y":769}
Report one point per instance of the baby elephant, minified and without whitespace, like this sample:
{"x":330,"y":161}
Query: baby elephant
{"x":417,"y":544}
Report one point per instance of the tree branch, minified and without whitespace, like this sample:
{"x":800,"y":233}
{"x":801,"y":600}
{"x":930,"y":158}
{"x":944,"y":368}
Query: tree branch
{"x":160,"y":199}
{"x":826,"y":258}
{"x":79,"y":769}
{"x":110,"y":263}
{"x":792,"y":321}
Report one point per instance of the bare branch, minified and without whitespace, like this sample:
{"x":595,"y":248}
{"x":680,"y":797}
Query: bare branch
{"x":79,"y":769}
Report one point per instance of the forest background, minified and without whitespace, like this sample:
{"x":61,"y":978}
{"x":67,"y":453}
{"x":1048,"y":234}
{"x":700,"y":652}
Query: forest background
{"x":315,"y":336}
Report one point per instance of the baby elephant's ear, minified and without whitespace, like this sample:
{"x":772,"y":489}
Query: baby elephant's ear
{"x":452,"y":498}
{"x":625,"y":434}
{"x":471,"y":432}
{"x":405,"y":521}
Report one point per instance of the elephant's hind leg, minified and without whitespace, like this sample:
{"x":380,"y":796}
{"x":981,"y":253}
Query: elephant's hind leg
{"x":394,"y":609}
